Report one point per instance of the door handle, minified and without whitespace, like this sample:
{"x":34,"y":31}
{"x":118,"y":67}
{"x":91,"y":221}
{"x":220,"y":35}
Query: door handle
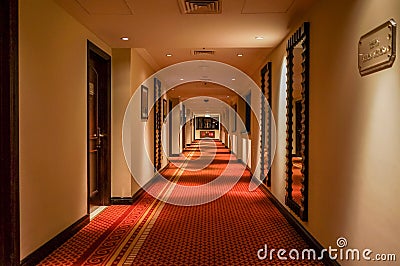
{"x":99,"y":137}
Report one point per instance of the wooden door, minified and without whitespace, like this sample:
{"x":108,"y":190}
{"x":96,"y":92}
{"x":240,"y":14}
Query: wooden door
{"x":9,"y":135}
{"x":99,"y":152}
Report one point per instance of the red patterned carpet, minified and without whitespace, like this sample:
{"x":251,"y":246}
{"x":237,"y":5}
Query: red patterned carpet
{"x":226,"y":231}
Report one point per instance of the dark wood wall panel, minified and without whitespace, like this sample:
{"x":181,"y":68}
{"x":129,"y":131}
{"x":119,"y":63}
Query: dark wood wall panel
{"x":9,"y":155}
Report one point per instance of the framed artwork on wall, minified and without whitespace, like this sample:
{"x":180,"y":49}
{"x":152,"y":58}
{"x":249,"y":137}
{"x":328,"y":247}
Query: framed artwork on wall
{"x":144,"y":99}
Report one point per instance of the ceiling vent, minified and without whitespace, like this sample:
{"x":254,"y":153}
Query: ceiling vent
{"x":200,"y":6}
{"x":203,"y":52}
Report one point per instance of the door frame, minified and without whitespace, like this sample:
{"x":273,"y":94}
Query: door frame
{"x":105,"y":174}
{"x":9,"y":135}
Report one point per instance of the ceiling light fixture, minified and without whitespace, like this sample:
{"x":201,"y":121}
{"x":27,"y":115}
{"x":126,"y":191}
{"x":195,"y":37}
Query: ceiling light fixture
{"x":182,"y":79}
{"x":240,"y":55}
{"x":259,"y":38}
{"x":125,"y":38}
{"x":168,"y":55}
{"x":233,"y":79}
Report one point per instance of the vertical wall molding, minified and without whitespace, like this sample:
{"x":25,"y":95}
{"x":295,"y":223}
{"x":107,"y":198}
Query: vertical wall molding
{"x":300,"y":37}
{"x":157,"y":124}
{"x":266,"y":126}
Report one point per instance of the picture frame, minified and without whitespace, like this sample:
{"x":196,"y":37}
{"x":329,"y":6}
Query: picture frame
{"x":144,"y":102}
{"x":165,"y":109}
{"x":296,"y":197}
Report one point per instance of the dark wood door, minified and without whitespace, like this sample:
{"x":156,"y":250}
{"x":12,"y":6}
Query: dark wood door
{"x":9,"y":141}
{"x":99,"y":151}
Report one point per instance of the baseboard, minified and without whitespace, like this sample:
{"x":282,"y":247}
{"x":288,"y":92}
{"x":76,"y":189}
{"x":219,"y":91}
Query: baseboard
{"x":121,"y":200}
{"x":38,"y":255}
{"x":314,"y":244}
{"x":135,"y":197}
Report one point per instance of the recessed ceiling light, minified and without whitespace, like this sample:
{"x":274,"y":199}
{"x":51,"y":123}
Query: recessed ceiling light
{"x":227,"y":96}
{"x":233,"y":79}
{"x":182,"y":79}
{"x":168,"y":55}
{"x":125,"y":38}
{"x":240,"y":55}
{"x":259,"y":38}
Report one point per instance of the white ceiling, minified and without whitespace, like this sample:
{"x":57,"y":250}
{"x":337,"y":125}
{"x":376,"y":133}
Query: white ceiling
{"x":157,"y":28}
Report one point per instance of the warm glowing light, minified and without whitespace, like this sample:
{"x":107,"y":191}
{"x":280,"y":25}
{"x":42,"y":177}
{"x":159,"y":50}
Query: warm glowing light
{"x":169,"y":55}
{"x":240,"y":55}
{"x":125,"y":38}
{"x":259,"y":38}
{"x":233,"y":79}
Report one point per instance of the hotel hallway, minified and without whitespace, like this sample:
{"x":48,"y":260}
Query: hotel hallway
{"x":227,"y":231}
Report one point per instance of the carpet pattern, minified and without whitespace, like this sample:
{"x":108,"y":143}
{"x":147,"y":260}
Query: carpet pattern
{"x":226,"y":231}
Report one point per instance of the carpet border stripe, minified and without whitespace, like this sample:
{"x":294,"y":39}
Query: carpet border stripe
{"x":166,"y":192}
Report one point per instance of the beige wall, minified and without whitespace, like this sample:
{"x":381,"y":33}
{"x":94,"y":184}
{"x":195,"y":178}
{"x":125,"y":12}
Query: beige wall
{"x":53,"y":184}
{"x":354,"y":128}
{"x":255,"y":144}
{"x":120,"y":95}
{"x":240,"y":127}
{"x":129,"y":71}
{"x":140,"y":71}
{"x":189,"y":128}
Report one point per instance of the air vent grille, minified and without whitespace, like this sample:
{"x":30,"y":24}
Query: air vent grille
{"x":200,"y":6}
{"x":203,"y":52}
